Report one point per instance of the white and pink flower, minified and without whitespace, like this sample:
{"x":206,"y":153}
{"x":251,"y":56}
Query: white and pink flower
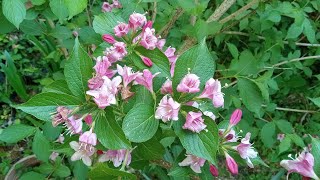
{"x":137,"y":20}
{"x":194,"y":162}
{"x":74,"y":125}
{"x":189,"y":84}
{"x":148,"y":39}
{"x":146,"y":79}
{"x":116,"y":156}
{"x":212,"y":91}
{"x":168,"y":109}
{"x":194,"y":122}
{"x":167,"y":87}
{"x":121,"y":29}
{"x":246,"y":150}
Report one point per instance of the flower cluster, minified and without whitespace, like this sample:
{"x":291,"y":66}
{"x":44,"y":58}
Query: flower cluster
{"x":107,"y":7}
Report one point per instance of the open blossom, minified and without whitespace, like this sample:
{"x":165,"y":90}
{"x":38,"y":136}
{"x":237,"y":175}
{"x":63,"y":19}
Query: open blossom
{"x":246,"y":150}
{"x":53,"y":156}
{"x":102,"y":65}
{"x":189,"y":84}
{"x":127,"y":74}
{"x":105,"y":95}
{"x":235,"y":117}
{"x":212,"y":91}
{"x":168,"y":109}
{"x":230,"y":136}
{"x":303,"y":165}
{"x":214,"y":171}
{"x":60,"y":116}
{"x":209,"y":114}
{"x":231,"y":164}
{"x":167,"y":87}
{"x":74,"y":125}
{"x":84,"y":148}
{"x":108,"y":38}
{"x":106,"y":7}
{"x":194,"y":122}
{"x":116,"y":156}
{"x":170,"y":54}
{"x":194,"y":162}
{"x":95,"y":82}
{"x":146,"y":79}
{"x":137,"y":20}
{"x":161,"y":43}
{"x":116,"y":52}
{"x":121,"y":29}
{"x":280,"y":137}
{"x":148,"y":39}
{"x":116,"y":4}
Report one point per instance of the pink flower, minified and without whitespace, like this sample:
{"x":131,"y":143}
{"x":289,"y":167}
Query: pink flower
{"x":105,"y":95}
{"x":116,"y":156}
{"x":148,"y":39}
{"x":214,"y":171}
{"x":95,"y":82}
{"x":161,"y":43}
{"x":235,"y":117}
{"x":230,"y":136}
{"x":212,"y":91}
{"x":60,"y":139}
{"x":116,"y":52}
{"x":146,"y":79}
{"x":172,"y":66}
{"x":121,"y":29}
{"x":147,"y":25}
{"x":193,"y":104}
{"x":246,"y":150}
{"x":194,"y":122}
{"x":167,"y":87}
{"x":127,"y":74}
{"x":53,"y":156}
{"x":106,"y":7}
{"x":189,"y":84}
{"x":117,"y":4}
{"x":85,"y":148}
{"x":88,"y":119}
{"x":280,"y":137}
{"x":167,"y":109}
{"x":209,"y":114}
{"x":74,"y":125}
{"x":102,"y":65}
{"x":303,"y":165}
{"x":108,"y":38}
{"x":194,"y":162}
{"x":231,"y":164}
{"x":147,"y":61}
{"x":170,"y":54}
{"x":137,"y":20}
{"x":60,"y":116}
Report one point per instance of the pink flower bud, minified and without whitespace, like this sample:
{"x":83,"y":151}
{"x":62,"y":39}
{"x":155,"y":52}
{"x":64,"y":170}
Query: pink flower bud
{"x":108,"y":38}
{"x":106,"y":7}
{"x":147,"y":25}
{"x":88,"y":119}
{"x":214,"y":171}
{"x":235,"y":117}
{"x":147,"y":61}
{"x":231,"y":164}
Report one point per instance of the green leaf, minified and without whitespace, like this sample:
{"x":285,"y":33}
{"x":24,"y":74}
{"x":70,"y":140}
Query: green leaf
{"x":59,"y":9}
{"x":32,"y":27}
{"x":50,"y":132}
{"x":77,"y":8}
{"x":284,"y":126}
{"x":6,"y":26}
{"x":233,"y":50}
{"x":316,"y":101}
{"x":62,"y":171}
{"x":204,"y":144}
{"x":285,"y":145}
{"x":61,"y":32}
{"x":250,"y":94}
{"x":316,"y":154}
{"x":160,"y":61}
{"x":196,"y":60}
{"x":80,"y":170}
{"x":150,"y":150}
{"x":42,"y":105}
{"x":104,"y":23}
{"x":14,"y":77}
{"x":309,"y":31}
{"x":294,"y":31}
{"x":32,"y":175}
{"x":41,"y":147}
{"x":45,"y":168}
{"x":59,"y":87}
{"x":101,"y":171}
{"x":89,"y":36}
{"x":267,"y":134}
{"x":14,"y":10}
{"x":38,"y":2}
{"x":247,"y":64}
{"x":139,"y":125}
{"x":296,"y":139}
{"x":16,"y":132}
{"x":108,"y":131}
{"x":78,"y":70}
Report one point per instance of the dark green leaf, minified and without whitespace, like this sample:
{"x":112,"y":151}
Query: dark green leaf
{"x":62,"y":171}
{"x":316,"y":154}
{"x":100,"y":171}
{"x":41,"y":147}
{"x":284,"y":126}
{"x":59,"y":87}
{"x":149,"y":150}
{"x":267,"y":134}
{"x":32,"y":176}
{"x":285,"y":145}
{"x":16,"y":132}
{"x":32,"y":27}
{"x":104,"y":23}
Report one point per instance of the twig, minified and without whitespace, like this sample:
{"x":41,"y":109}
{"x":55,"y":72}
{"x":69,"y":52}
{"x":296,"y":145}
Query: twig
{"x":225,"y":5}
{"x":263,"y":38}
{"x":293,"y":110}
{"x":241,"y":10}
{"x":154,"y":14}
{"x":165,"y":30}
{"x":296,"y":59}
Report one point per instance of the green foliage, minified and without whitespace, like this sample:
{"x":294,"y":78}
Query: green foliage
{"x":41,"y":147}
{"x":14,"y":11}
{"x":16,"y":133}
{"x":101,"y":171}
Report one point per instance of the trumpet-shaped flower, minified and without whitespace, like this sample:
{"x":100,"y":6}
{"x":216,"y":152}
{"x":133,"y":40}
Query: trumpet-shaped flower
{"x":116,"y":156}
{"x":189,"y":84}
{"x":168,"y":109}
{"x":194,"y":162}
{"x":194,"y":122}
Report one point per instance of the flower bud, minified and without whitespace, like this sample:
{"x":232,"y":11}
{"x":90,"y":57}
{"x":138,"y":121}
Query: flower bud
{"x":147,"y":61}
{"x":235,"y":117}
{"x":147,"y":25}
{"x":231,"y":164}
{"x":214,"y":171}
{"x":108,"y":38}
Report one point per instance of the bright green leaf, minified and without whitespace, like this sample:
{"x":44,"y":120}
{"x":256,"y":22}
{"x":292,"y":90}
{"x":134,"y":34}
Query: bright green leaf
{"x":14,"y":10}
{"x":77,"y":8}
{"x":15,"y":133}
{"x":104,"y":23}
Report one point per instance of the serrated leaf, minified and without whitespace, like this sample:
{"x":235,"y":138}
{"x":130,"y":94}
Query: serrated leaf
{"x":247,"y":64}
{"x":16,"y":132}
{"x":74,"y":9}
{"x":14,"y":10}
{"x":78,"y":70}
{"x":59,"y":9}
{"x":267,"y":134}
{"x":316,"y":154}
{"x":284,"y":126}
{"x":41,"y":147}
{"x":42,"y":105}
{"x":108,"y":131}
{"x":104,"y":23}
{"x":294,"y":31}
{"x":285,"y":145}
{"x":149,"y":150}
{"x":59,"y":87}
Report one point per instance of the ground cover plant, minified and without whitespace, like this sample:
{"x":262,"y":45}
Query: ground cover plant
{"x":156,"y":89}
